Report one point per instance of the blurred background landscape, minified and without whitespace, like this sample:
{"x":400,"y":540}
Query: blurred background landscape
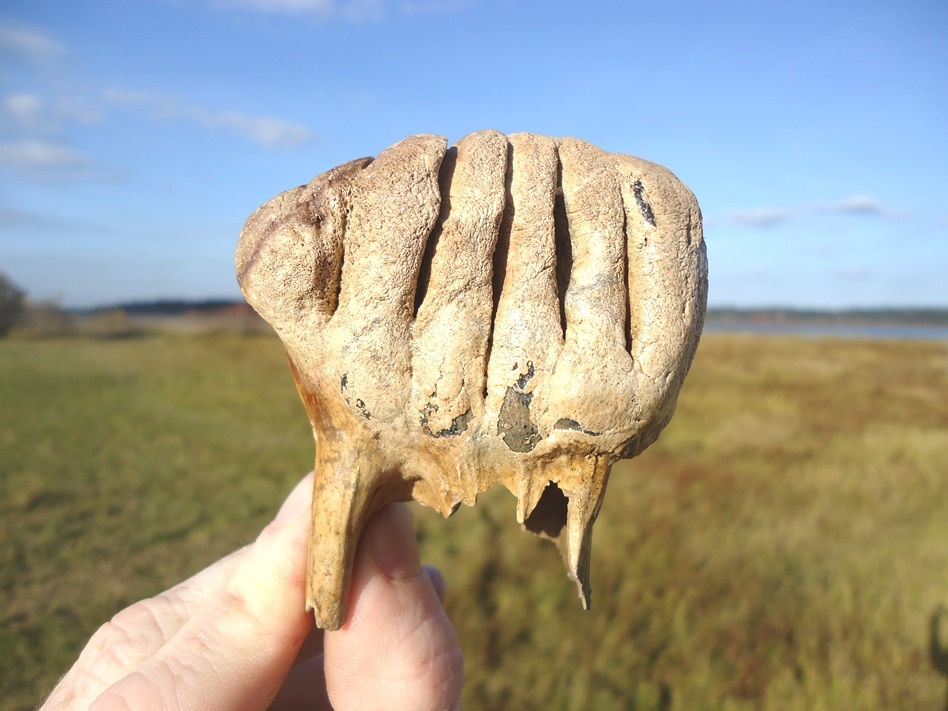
{"x":784,"y":545}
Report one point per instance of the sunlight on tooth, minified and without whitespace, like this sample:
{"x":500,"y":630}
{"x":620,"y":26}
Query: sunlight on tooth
{"x":428,"y":376}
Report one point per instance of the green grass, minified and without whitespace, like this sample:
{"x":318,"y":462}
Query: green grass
{"x":782,"y":546}
{"x":126,"y":465}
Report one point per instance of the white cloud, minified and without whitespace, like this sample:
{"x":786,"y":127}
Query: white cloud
{"x":35,"y":115}
{"x":291,"y":7}
{"x":268,"y":132}
{"x":23,"y":106}
{"x":346,"y":10}
{"x":362,"y":10}
{"x":33,"y":154}
{"x":416,"y":7}
{"x":271,"y":133}
{"x":28,"y":43}
{"x":767,"y":217}
{"x":857,"y":205}
{"x":761,"y":217}
{"x":351,"y":11}
{"x":52,"y":162}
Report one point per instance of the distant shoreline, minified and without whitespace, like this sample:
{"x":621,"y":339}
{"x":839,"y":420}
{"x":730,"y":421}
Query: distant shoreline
{"x":816,"y":329}
{"x":164,"y":307}
{"x":829,"y":317}
{"x":716,"y":316}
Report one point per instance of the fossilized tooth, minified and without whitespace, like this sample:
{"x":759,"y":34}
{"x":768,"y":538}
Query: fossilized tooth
{"x":516,"y":309}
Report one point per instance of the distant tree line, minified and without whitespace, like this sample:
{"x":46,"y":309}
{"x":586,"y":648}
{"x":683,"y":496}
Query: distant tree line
{"x":34,"y":319}
{"x":12,"y":301}
{"x":171,"y":307}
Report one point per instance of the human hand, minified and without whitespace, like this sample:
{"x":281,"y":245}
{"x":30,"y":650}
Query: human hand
{"x":235,"y":636}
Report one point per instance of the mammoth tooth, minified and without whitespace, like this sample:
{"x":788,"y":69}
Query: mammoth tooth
{"x":514,"y":309}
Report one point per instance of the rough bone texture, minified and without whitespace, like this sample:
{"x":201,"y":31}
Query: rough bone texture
{"x":518,"y":309}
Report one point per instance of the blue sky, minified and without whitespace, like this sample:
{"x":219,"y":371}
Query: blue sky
{"x":136,"y":137}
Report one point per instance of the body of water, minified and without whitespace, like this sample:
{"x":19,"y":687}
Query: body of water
{"x":831,"y":330}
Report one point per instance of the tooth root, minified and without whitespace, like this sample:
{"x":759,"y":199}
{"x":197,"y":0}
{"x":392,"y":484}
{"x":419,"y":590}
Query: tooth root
{"x":575,"y":540}
{"x":343,"y":502}
{"x":530,"y":492}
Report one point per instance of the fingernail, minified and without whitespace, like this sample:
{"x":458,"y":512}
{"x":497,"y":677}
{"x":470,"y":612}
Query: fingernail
{"x":393,"y":543}
{"x":297,"y":502}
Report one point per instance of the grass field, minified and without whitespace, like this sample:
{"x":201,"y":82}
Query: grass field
{"x":784,"y":545}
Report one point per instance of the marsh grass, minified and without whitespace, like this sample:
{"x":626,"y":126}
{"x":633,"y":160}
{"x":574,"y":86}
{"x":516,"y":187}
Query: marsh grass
{"x":782,"y":546}
{"x":124,"y":466}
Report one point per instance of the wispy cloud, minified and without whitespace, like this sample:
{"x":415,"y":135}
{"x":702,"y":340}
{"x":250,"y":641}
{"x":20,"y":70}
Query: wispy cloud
{"x":37,"y":145}
{"x":32,"y":154}
{"x":345,"y":10}
{"x":324,"y":10}
{"x":858,"y":205}
{"x":769,"y":217}
{"x":417,"y":7}
{"x":290,"y":7}
{"x":12,"y":218}
{"x":28,"y":43}
{"x":33,"y":114}
{"x":47,"y":161}
{"x":760,"y":217}
{"x":268,"y":132}
{"x":23,"y":107}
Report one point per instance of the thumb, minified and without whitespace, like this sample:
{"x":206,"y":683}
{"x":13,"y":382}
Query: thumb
{"x":398,"y":642}
{"x":235,"y":630}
